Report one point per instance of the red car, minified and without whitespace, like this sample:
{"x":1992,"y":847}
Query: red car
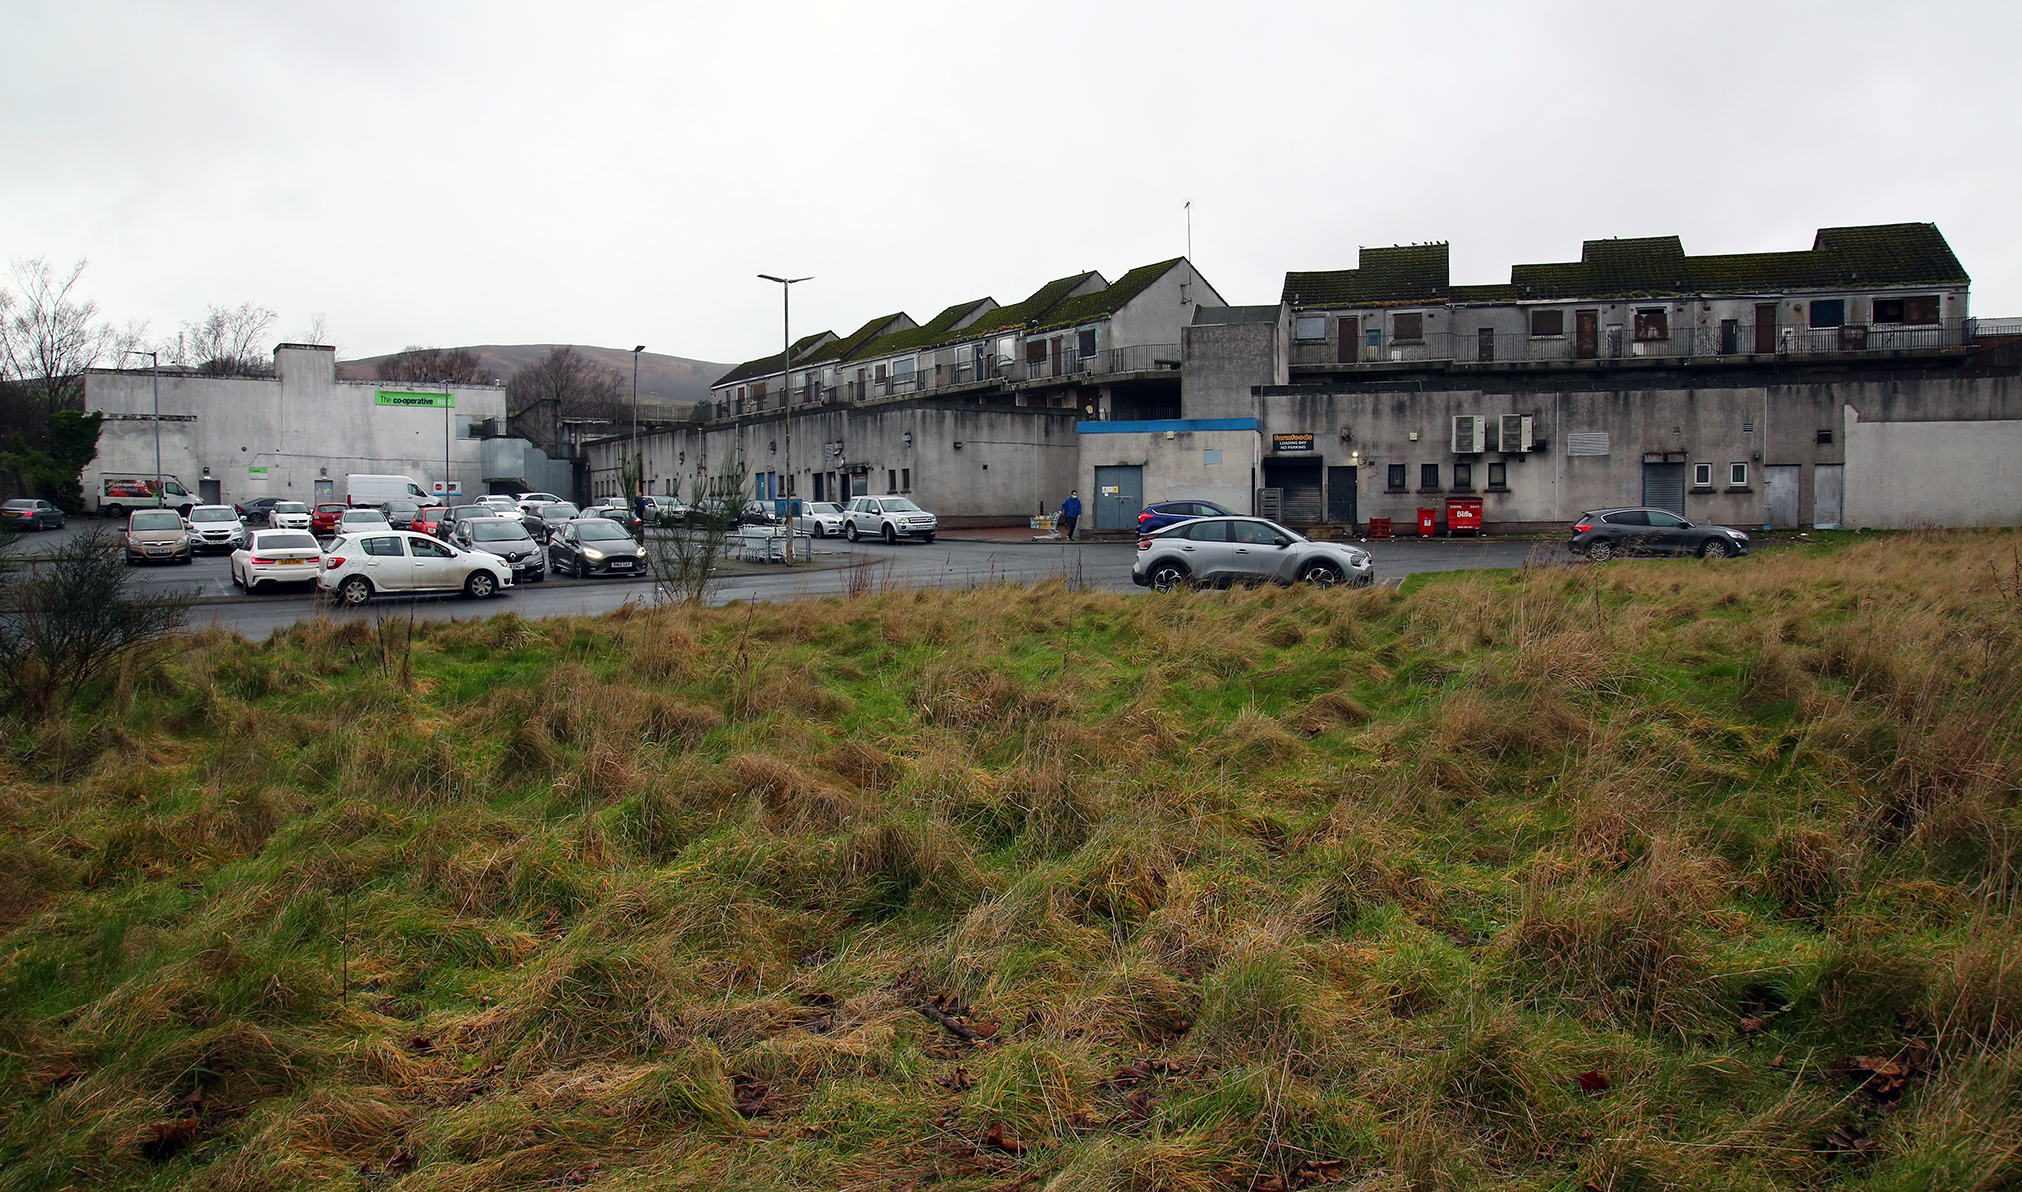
{"x":324,"y":519}
{"x":428,"y":520}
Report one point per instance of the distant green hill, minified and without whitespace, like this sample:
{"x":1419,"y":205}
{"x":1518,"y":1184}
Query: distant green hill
{"x":1648,"y":875}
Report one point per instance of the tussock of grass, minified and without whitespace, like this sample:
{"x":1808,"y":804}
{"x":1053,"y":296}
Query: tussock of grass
{"x":1611,"y":877}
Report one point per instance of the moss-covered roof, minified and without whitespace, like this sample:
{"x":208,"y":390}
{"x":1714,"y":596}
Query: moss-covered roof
{"x":1873,"y":255}
{"x":949,"y":324}
{"x":1089,"y":307}
{"x":766,"y":366}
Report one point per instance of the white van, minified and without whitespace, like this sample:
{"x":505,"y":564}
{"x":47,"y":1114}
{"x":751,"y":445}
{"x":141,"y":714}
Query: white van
{"x":116,"y":493}
{"x":377,"y":490}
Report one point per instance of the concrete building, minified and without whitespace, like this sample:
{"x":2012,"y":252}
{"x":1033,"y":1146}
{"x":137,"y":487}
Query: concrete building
{"x":296,"y":434}
{"x":1746,"y":389}
{"x":972,"y":413}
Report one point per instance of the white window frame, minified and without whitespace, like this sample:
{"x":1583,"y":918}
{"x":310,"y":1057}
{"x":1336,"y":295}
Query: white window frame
{"x":1737,"y":475}
{"x":1300,"y":321}
{"x":1702,"y":475}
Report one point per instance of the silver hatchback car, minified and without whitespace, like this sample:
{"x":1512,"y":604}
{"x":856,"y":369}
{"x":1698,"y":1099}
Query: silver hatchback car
{"x":1230,"y":550}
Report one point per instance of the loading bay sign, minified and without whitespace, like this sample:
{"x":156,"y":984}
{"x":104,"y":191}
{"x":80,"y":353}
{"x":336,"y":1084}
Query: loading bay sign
{"x":1298,"y":442}
{"x":397,"y":397}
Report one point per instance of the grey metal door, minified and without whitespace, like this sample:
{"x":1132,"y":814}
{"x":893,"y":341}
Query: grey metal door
{"x":1779,"y":493}
{"x":324,"y":489}
{"x":1828,"y":490}
{"x":1341,"y":496}
{"x":1664,"y":487}
{"x":208,"y":490}
{"x":1119,"y":496}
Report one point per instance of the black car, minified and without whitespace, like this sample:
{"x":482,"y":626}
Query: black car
{"x":595,"y":546}
{"x":400,"y":514}
{"x":259,"y":511}
{"x":506,"y":538}
{"x":456,"y":515}
{"x":1601,"y":534}
{"x":542,"y":519}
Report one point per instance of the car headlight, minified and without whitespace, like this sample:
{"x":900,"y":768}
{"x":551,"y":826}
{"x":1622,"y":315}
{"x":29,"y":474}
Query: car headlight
{"x":592,"y":554}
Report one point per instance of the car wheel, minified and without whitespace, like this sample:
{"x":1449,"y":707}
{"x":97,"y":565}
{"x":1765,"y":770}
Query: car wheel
{"x":481,"y":585}
{"x":1715,"y":548}
{"x":891,"y":538}
{"x":1322,"y":575}
{"x":1601,"y":552}
{"x":538,"y":576}
{"x":190,"y":558}
{"x":251,"y":586}
{"x":1167,"y":576}
{"x":928,"y":539}
{"x":849,"y":531}
{"x":355,"y":591}
{"x":817,"y":530}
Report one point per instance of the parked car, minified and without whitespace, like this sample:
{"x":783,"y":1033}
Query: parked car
{"x":499,"y":501}
{"x":457,"y":514}
{"x":157,"y":534}
{"x":400,"y":514}
{"x":277,"y":557}
{"x":323,"y":520}
{"x":505,"y":537}
{"x":821,"y":519}
{"x":358,"y":567}
{"x":541,"y":520}
{"x":24,"y":513}
{"x":1219,"y":551}
{"x":595,"y":546}
{"x":359,"y":519}
{"x":759,"y":513}
{"x":664,"y":508}
{"x":1160,"y":514}
{"x":890,"y":518}
{"x":256,"y":511}
{"x":526,"y":499}
{"x":616,"y":510}
{"x":1601,"y":534}
{"x":216,"y":527}
{"x":288,"y":515}
{"x":427,"y":520}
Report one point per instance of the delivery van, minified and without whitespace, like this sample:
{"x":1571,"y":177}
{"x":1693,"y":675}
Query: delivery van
{"x":377,"y":490}
{"x":114,"y":494}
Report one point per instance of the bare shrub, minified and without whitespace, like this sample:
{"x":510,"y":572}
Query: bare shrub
{"x":72,"y":621}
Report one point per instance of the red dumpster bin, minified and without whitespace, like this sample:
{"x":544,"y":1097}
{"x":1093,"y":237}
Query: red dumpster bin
{"x":1426,"y":522}
{"x":1379,"y":527}
{"x":1463,"y":515}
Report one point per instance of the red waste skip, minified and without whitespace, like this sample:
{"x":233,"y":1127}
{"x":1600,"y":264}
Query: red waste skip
{"x":1463,"y":515}
{"x":1426,"y":520}
{"x":1379,"y":527}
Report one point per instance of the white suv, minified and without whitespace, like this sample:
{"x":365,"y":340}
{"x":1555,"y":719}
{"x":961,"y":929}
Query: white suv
{"x":890,"y":518}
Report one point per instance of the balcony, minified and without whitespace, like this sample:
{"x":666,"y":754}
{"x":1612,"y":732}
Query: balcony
{"x":1730,"y":340}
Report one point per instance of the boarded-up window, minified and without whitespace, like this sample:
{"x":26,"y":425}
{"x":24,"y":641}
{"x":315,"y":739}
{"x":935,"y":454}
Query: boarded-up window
{"x":1828,"y":312}
{"x":1035,"y":351}
{"x":1411,"y":326}
{"x":878,"y":373}
{"x":1395,"y":477}
{"x":1428,"y":475}
{"x":1548,"y":322}
{"x":1653,"y":323}
{"x":1084,"y":344}
{"x":1310,"y":326}
{"x":1907,"y":310}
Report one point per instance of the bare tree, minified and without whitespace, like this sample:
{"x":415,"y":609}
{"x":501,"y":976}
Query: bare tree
{"x":49,"y":335}
{"x":69,"y":623}
{"x":436,"y":366}
{"x":318,"y":331}
{"x":561,"y":386}
{"x":228,"y":343}
{"x":684,"y":552}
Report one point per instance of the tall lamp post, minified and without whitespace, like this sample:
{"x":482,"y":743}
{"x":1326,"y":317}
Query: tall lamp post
{"x":786,"y":285}
{"x":638,"y":461}
{"x":154,"y":369}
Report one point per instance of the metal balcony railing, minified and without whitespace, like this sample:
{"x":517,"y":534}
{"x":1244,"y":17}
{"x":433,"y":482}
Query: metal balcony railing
{"x":1713,"y":341}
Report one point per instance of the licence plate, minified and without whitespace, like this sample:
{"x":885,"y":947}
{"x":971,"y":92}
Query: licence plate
{"x":293,"y":562}
{"x":621,"y":565}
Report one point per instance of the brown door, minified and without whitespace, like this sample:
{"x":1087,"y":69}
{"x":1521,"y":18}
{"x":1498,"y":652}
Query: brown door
{"x":1056,"y":355}
{"x":1765,"y":328}
{"x":1586,"y":334}
{"x":1347,"y":349}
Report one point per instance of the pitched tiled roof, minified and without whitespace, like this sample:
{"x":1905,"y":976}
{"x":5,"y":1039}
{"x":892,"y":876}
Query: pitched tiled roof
{"x":1031,"y":310}
{"x":1875,"y":255}
{"x":767,"y":365}
{"x":1106,"y":301}
{"x":949,"y":323}
{"x":1381,"y":277}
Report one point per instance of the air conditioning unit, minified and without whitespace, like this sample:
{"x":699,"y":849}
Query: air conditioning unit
{"x":1516,"y":431}
{"x":1470,"y":434}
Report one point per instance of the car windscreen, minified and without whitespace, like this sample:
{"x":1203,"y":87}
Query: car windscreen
{"x":497,"y":529}
{"x":292,"y":540}
{"x":601,"y":532}
{"x":157,"y":521}
{"x":898,"y":505}
{"x":291,"y":507}
{"x":560,"y":511}
{"x":213,"y":515}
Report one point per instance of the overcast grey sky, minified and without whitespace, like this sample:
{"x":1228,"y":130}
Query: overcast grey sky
{"x":446,"y":173}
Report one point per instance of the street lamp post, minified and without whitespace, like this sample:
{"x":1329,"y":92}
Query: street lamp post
{"x":154,"y":369}
{"x":638,"y":461}
{"x":786,"y":285}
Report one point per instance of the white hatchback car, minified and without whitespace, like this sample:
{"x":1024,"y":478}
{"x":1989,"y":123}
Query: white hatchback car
{"x":277,"y":557}
{"x":359,"y":566}
{"x":359,"y":520}
{"x":289,"y":515}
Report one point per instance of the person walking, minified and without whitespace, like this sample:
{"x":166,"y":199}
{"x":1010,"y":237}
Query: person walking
{"x":1070,"y":513}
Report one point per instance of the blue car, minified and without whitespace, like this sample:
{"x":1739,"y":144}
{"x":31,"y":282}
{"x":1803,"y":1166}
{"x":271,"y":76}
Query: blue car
{"x":1160,"y":514}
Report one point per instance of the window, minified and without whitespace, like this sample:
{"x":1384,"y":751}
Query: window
{"x":891,"y":481}
{"x":1668,"y":521}
{"x":1828,"y":312}
{"x":1463,"y":476}
{"x":1907,"y":310}
{"x":1210,"y":531}
{"x":1825,"y":434}
{"x":1428,"y":476}
{"x":878,"y":373}
{"x":1310,"y":327}
{"x":905,"y":480}
{"x":1396,"y":481}
{"x":1211,"y":455}
{"x":1702,"y":475}
{"x":1737,"y":475}
{"x":1252,"y":532}
{"x":1035,"y":351}
{"x":1548,"y":323}
{"x":1411,"y":326}
{"x":1653,"y":323}
{"x":425,"y":549}
{"x":902,"y":370}
{"x":1084,"y":343}
{"x":1498,"y":475}
{"x":385,"y":547}
{"x":1628,"y":517}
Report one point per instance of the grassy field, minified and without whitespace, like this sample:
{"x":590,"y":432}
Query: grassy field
{"x":1642,"y":876}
